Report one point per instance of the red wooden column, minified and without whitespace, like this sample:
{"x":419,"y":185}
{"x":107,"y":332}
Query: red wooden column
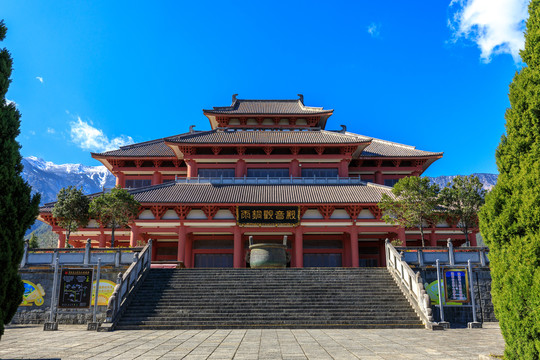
{"x":182,"y":235}
{"x":378,"y":178}
{"x":61,"y":240}
{"x":346,"y":258}
{"x":432,"y":237}
{"x":191,"y":168}
{"x":101,"y":240}
{"x":472,"y":239}
{"x":353,"y":232}
{"x":156,"y":178}
{"x":240,"y":168}
{"x":343,"y":170}
{"x":188,"y":255}
{"x":120,"y":179}
{"x":134,"y":236}
{"x":238,"y":248}
{"x":401,"y":236}
{"x":299,"y":247}
{"x":294,"y":168}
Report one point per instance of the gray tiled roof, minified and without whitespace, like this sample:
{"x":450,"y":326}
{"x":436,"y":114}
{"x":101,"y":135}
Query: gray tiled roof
{"x":207,"y":193}
{"x":268,"y":137}
{"x":379,"y":148}
{"x":183,"y":193}
{"x":155,"y":148}
{"x":282,"y":107}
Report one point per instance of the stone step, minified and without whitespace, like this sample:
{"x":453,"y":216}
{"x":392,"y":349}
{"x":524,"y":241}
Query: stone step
{"x":142,"y":302}
{"x":269,"y":326}
{"x":268,"y":298}
{"x":278,"y":314}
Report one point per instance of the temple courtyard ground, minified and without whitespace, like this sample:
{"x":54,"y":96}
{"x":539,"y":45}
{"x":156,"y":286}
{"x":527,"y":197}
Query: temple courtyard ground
{"x":74,"y":342}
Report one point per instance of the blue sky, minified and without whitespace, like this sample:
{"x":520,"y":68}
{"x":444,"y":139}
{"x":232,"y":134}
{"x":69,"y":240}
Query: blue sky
{"x":90,"y":76}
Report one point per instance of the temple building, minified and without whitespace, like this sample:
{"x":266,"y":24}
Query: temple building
{"x":266,"y":168}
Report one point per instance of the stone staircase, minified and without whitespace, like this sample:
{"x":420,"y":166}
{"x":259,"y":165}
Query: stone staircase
{"x":269,"y":298}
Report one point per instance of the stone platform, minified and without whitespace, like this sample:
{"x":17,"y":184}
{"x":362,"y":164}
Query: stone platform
{"x":74,"y":342}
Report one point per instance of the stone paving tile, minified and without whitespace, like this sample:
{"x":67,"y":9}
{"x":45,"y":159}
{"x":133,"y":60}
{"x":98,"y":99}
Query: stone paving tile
{"x":74,"y":342}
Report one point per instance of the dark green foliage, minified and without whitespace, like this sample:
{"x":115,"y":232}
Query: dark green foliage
{"x":510,"y":219}
{"x":462,"y":199}
{"x":46,"y":237}
{"x":33,"y":243}
{"x":414,"y":204}
{"x":114,"y":209}
{"x":18,"y":208}
{"x":71,"y":209}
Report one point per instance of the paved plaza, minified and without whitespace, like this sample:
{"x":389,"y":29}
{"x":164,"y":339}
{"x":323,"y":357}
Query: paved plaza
{"x":74,"y":342}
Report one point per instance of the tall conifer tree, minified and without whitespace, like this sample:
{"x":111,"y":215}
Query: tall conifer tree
{"x":18,"y":208}
{"x":510,"y":219}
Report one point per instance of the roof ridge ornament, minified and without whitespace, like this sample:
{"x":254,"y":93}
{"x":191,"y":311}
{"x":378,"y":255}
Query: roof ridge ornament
{"x":234,"y":98}
{"x":301,"y":98}
{"x":343,"y":129}
{"x":191,"y":131}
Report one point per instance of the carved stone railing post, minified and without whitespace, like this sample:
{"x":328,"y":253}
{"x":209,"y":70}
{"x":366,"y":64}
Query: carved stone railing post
{"x":117,"y":258}
{"x":482,"y":257}
{"x":25,"y":255}
{"x":87,"y":250}
{"x":450,"y":252}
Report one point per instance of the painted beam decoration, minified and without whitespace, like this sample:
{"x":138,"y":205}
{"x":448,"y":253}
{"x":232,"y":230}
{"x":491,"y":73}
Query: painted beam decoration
{"x":268,"y":215}
{"x":75,"y":288}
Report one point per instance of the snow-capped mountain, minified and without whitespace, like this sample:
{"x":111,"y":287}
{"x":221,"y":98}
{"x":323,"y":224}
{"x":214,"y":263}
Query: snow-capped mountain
{"x":488,"y":180}
{"x":48,"y":178}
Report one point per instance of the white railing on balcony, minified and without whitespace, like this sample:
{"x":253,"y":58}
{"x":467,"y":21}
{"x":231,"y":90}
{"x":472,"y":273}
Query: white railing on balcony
{"x":411,"y":283}
{"x":78,"y":256}
{"x":428,"y":256}
{"x":272,"y":180}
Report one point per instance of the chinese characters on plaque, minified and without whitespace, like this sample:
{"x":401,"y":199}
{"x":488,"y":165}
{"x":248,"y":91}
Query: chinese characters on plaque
{"x":456,"y":285}
{"x":268,"y":215}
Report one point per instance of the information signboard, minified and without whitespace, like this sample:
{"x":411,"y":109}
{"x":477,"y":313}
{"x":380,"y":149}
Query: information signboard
{"x":268,"y":215}
{"x":75,"y":288}
{"x":456,"y":285}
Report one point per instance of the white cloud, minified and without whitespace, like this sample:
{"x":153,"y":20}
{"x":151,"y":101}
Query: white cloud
{"x":32,"y":132}
{"x":50,"y":131}
{"x":40,"y":79}
{"x":90,"y":138}
{"x":496,"y":26}
{"x":374,"y":30}
{"x":10,"y":102}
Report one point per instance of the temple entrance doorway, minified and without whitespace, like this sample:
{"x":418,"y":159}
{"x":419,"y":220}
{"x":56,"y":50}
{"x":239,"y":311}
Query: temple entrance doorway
{"x":322,"y":260}
{"x":323,"y":251}
{"x":165,"y":250}
{"x":213,"y":251}
{"x":213,"y":260}
{"x":371,"y":253}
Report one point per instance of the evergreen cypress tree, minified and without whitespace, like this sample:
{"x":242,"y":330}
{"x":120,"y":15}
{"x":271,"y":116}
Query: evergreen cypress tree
{"x":510,"y":219}
{"x":18,"y":208}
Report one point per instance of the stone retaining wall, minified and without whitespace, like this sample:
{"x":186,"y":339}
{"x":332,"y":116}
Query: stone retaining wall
{"x":36,"y":305}
{"x":459,"y":316}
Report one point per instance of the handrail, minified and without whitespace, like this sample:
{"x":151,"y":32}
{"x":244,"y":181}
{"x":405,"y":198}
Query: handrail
{"x":271,"y":180}
{"x":411,"y":284}
{"x":126,"y":285}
